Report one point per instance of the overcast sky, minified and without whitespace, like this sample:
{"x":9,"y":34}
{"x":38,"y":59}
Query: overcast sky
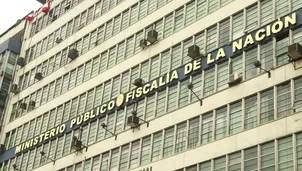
{"x":12,"y":10}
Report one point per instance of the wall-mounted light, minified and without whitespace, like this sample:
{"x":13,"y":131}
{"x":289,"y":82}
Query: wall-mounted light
{"x":257,"y":64}
{"x":43,"y":154}
{"x":190,"y":87}
{"x":104,"y":126}
{"x":15,"y":167}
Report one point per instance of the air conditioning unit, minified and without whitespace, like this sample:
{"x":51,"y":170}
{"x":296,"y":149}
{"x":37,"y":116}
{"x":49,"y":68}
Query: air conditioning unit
{"x":38,"y":76}
{"x":23,"y":105}
{"x":58,"y":40}
{"x":152,"y":36}
{"x":14,"y":89}
{"x":143,"y":43}
{"x":73,"y":54}
{"x":32,"y":104}
{"x":193,"y":52}
{"x":132,"y":121}
{"x":76,"y":144}
{"x":139,"y":82}
{"x":2,"y":148}
{"x":54,"y":18}
{"x":21,"y":61}
{"x":67,"y":6}
{"x":295,"y":51}
{"x":234,"y":79}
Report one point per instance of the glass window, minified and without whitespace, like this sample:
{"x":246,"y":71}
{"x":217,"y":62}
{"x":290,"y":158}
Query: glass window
{"x":283,"y":100}
{"x":193,"y":133}
{"x":209,"y":80}
{"x":134,"y":14}
{"x":105,"y":162}
{"x":251,"y":18}
{"x":250,"y":58}
{"x":211,"y":38}
{"x":222,"y":76}
{"x":207,"y":126}
{"x":221,"y":123}
{"x":268,"y":156}
{"x":134,"y":156}
{"x":219,"y":164}
{"x":267,"y":56}
{"x":298,"y":95}
{"x":124,"y":158}
{"x":145,"y":151}
{"x":251,"y":112}
{"x":266,"y":12}
{"x":235,"y":118}
{"x":181,"y":137}
{"x":235,"y":161}
{"x":114,"y":159}
{"x":224,"y":32}
{"x":205,"y":166}
{"x":281,"y":49}
{"x":250,"y":159}
{"x":179,"y":19}
{"x":285,"y":154}
{"x":238,"y":25}
{"x":168,"y":25}
{"x":267,"y":106}
{"x":168,"y":142}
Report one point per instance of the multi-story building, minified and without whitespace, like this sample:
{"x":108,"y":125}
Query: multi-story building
{"x":214,"y":85}
{"x":10,"y":46}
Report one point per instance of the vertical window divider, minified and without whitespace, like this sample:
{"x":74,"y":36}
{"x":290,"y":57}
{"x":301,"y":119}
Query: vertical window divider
{"x":242,"y":158}
{"x":276,"y":153}
{"x":228,"y":120}
{"x":129,"y":155}
{"x":243,"y":116}
{"x":214,"y":125}
{"x":275,"y":102}
{"x":292,"y":88}
{"x":294,"y":136}
{"x":200,"y":131}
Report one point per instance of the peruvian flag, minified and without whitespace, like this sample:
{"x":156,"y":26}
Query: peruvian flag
{"x":46,"y":7}
{"x":30,"y":17}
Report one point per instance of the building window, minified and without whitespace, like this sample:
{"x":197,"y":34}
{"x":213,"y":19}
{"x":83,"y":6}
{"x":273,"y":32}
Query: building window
{"x":168,"y":142}
{"x":145,"y":151}
{"x":134,"y":154}
{"x":221,"y":123}
{"x":298,"y":95}
{"x":250,"y":159}
{"x":205,"y":166}
{"x":235,"y":118}
{"x":181,"y":137}
{"x":251,"y":112}
{"x":124,"y":158}
{"x":235,"y":161}
{"x":268,"y":156}
{"x":267,"y":106}
{"x":207,"y":128}
{"x":114,"y":159}
{"x":283,"y":100}
{"x":193,"y":133}
{"x":285,"y":154}
{"x":156,"y":147}
{"x":105,"y":162}
{"x":219,"y":164}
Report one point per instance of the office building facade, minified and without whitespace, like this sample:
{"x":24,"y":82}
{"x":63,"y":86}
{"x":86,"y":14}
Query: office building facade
{"x":10,"y":46}
{"x":214,"y":85}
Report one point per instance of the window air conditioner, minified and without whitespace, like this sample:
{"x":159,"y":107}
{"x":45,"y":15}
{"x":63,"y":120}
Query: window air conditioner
{"x":234,"y":79}
{"x":295,"y":51}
